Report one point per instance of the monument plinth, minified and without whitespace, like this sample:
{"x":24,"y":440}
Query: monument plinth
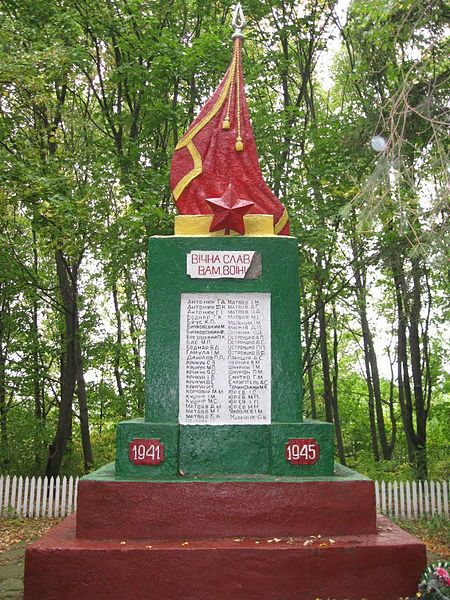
{"x":223,"y":490}
{"x":223,"y":372}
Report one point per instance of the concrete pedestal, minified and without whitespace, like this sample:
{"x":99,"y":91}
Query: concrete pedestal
{"x":251,"y":538}
{"x":379,"y":566}
{"x":199,"y":508}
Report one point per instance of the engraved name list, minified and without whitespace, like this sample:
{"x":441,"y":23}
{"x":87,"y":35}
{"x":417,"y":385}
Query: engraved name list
{"x":225,"y":359}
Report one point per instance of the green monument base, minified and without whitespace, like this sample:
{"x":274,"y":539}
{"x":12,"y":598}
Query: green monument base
{"x":210,"y":450}
{"x":223,"y":368}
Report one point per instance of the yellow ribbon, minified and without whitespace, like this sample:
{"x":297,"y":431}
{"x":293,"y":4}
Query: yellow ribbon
{"x":198,"y":225}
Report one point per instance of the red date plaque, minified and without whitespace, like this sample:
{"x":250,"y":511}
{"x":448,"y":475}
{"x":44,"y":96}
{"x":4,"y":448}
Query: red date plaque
{"x":304,"y":451}
{"x":146,"y":452}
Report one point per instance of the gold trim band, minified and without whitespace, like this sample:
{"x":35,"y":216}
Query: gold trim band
{"x":282,"y":222}
{"x":255,"y":225}
{"x":188,"y":140}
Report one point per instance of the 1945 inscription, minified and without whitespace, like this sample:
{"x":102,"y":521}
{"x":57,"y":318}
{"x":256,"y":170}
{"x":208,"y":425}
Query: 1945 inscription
{"x":225,"y":359}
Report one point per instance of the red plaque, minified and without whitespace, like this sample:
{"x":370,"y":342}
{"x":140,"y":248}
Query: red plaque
{"x":146,"y":452}
{"x":302,"y":451}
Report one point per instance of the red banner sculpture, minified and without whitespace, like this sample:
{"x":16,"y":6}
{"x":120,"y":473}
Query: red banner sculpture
{"x":219,"y":151}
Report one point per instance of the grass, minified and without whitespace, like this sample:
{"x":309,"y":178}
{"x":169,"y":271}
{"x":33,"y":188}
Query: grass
{"x":435,"y":533}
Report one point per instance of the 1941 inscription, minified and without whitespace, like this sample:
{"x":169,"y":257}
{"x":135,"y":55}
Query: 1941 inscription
{"x":146,"y":452}
{"x":225,"y":359}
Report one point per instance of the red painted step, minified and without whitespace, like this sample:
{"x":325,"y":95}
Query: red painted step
{"x":378,"y":566}
{"x":203,"y":509}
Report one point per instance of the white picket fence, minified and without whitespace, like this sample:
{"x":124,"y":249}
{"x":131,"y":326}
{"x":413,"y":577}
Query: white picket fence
{"x":37,"y":496}
{"x":57,"y":497}
{"x":412,"y":499}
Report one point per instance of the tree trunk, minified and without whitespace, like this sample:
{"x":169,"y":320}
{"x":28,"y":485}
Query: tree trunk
{"x":67,"y":278}
{"x":82,"y":403}
{"x":38,"y":408}
{"x":416,"y":369}
{"x":404,"y":386}
{"x":391,"y":410}
{"x":381,"y":426}
{"x":134,"y":345}
{"x":327,"y":388}
{"x":309,"y":370}
{"x":118,"y":350}
{"x":38,"y":383}
{"x":336,"y":417}
{"x":372,"y":419}
{"x":39,"y":449}
{"x":4,"y":308}
{"x":37,"y":389}
{"x":371,"y":363}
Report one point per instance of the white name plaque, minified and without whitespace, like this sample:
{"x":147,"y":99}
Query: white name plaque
{"x":225,"y":359}
{"x":219,"y":264}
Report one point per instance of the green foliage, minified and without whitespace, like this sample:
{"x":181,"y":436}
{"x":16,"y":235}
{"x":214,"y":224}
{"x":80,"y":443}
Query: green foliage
{"x":435,"y":530}
{"x":28,"y":439}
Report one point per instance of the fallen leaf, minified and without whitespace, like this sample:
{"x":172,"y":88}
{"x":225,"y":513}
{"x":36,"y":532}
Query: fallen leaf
{"x":14,"y":531}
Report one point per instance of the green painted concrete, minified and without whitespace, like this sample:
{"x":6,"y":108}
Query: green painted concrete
{"x":341,"y":473}
{"x":212,"y":450}
{"x":167,"y":433}
{"x":255,"y":450}
{"x":323,"y":433}
{"x":167,"y":280}
{"x":209,"y":449}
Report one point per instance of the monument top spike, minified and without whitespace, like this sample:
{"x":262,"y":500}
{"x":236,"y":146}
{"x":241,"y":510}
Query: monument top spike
{"x":238,"y":23}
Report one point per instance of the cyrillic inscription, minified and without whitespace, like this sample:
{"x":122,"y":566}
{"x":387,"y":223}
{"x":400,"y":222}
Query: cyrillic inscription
{"x":225,"y":359}
{"x":218,"y":264}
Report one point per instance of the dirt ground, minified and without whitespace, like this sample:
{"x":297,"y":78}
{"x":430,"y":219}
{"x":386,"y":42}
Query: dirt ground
{"x":15,"y":535}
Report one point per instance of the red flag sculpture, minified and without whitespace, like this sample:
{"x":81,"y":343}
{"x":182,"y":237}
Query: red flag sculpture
{"x":215,"y":169}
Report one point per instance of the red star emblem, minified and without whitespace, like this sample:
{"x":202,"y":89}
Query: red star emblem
{"x":229,"y":211}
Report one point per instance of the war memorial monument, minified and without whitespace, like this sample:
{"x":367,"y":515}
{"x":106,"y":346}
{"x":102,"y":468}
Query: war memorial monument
{"x":223,"y":491}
